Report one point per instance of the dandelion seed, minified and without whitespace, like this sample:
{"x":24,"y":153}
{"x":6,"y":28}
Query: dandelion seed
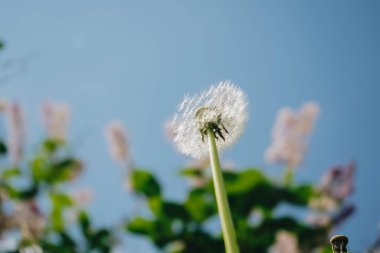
{"x":56,"y":118}
{"x":223,"y":108}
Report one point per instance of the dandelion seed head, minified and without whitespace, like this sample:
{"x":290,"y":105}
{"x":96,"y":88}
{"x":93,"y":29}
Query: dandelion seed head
{"x":224,"y":104}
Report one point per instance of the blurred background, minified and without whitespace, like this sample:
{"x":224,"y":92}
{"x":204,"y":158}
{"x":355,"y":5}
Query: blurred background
{"x":135,"y":60}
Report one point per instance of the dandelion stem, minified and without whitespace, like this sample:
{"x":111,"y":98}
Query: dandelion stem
{"x":221,"y":197}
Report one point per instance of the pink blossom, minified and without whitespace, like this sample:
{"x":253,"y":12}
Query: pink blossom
{"x":16,"y":131}
{"x":83,"y":196}
{"x":29,"y":219}
{"x":319,"y":219}
{"x":3,"y":105}
{"x":56,"y":118}
{"x":117,"y":141}
{"x":285,"y":243}
{"x":337,"y":182}
{"x":289,"y":135}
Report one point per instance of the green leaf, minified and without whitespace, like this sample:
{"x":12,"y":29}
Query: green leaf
{"x":61,"y":200}
{"x":145,"y":183}
{"x":85,"y":225}
{"x":155,"y":205}
{"x":240,"y":182}
{"x":51,"y":145}
{"x":173,"y":210}
{"x":39,"y":168}
{"x":200,"y":205}
{"x":56,"y":216}
{"x":140,"y":225}
{"x":101,"y":240}
{"x":3,"y":147}
{"x":300,"y":195}
{"x":63,"y":170}
{"x":9,"y":173}
{"x":28,"y":193}
{"x":192,"y":172}
{"x":67,"y":241}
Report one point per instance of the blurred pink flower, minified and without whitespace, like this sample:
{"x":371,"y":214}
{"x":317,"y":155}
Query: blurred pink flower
{"x":323,"y":203}
{"x":31,"y":249}
{"x":319,"y":219}
{"x":289,"y":134}
{"x":56,"y":118}
{"x":29,"y":219}
{"x":117,"y":142}
{"x":83,"y":196}
{"x":3,"y":105}
{"x":285,"y":243}
{"x":16,"y":131}
{"x":337,"y":182}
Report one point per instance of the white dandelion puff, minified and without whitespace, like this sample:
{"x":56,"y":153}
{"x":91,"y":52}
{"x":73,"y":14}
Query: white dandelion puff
{"x":223,"y":108}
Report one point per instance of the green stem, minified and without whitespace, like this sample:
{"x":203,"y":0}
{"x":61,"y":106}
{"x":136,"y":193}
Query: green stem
{"x":221,"y":198}
{"x":288,"y":176}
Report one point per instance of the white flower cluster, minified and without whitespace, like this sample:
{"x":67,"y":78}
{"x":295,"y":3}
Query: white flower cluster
{"x":56,"y":118}
{"x":224,"y":105}
{"x":290,"y":134}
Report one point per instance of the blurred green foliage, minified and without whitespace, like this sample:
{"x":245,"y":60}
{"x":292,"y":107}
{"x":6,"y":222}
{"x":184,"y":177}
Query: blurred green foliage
{"x":34,"y":201}
{"x":51,"y":168}
{"x":182,"y":226}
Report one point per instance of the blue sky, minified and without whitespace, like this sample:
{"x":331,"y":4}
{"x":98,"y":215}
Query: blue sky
{"x":135,"y":60}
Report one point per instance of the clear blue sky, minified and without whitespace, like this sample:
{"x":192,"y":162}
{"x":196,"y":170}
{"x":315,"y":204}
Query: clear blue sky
{"x":135,"y":60}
